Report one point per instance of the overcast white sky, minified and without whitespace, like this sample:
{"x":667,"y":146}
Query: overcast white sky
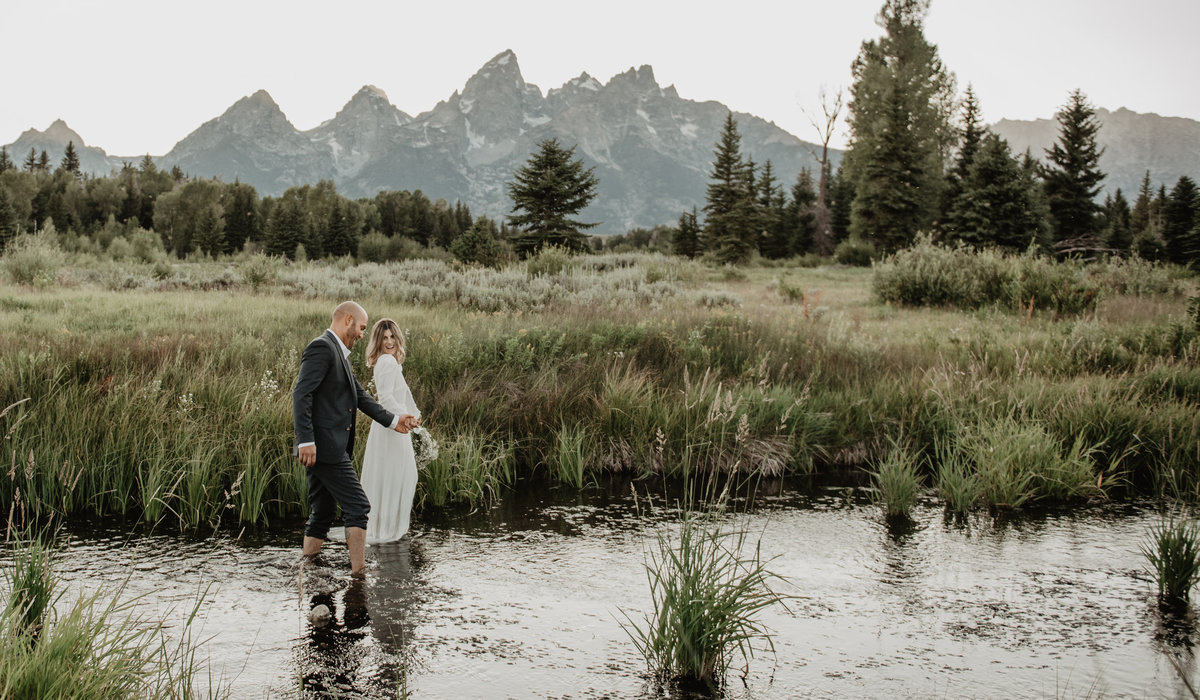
{"x":136,"y":76}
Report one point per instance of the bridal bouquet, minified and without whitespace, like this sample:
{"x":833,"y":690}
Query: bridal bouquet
{"x":425,"y":448}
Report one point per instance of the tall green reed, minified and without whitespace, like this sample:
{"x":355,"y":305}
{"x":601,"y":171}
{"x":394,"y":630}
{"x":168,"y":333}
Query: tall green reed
{"x":708,"y":582}
{"x":1172,"y":550}
{"x":896,"y":482}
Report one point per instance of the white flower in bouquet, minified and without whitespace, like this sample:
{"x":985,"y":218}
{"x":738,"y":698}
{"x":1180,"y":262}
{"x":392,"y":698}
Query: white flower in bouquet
{"x":425,"y":448}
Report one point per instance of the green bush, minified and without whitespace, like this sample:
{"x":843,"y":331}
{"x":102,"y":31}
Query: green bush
{"x":928,"y":274}
{"x":373,"y":248}
{"x":258,"y":270}
{"x":854,"y":253}
{"x":549,"y":261}
{"x":120,"y":249}
{"x":147,"y":245}
{"x":34,"y":260}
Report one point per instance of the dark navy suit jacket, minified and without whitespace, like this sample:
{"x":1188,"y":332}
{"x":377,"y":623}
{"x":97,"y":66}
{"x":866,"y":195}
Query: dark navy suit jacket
{"x":325,"y":399}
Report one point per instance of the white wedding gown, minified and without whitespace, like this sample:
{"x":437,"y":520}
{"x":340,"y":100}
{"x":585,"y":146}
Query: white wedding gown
{"x":389,"y":473}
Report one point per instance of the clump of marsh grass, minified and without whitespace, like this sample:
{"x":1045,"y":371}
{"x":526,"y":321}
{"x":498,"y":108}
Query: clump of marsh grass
{"x":98,"y":648}
{"x":473,"y":468}
{"x":31,"y":585}
{"x":956,"y":483}
{"x":568,"y":459}
{"x":896,"y":481}
{"x":708,"y":582}
{"x":1172,"y":549}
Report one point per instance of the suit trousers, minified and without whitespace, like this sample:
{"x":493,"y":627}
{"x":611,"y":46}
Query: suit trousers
{"x":331,"y":485}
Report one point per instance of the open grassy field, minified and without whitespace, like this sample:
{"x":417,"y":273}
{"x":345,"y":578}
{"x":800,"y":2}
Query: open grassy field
{"x":165,"y":393}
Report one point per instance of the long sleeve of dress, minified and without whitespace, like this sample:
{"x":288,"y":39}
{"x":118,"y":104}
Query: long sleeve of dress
{"x":388,"y":385}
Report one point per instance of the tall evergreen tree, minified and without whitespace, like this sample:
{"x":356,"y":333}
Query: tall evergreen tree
{"x":70,"y":160}
{"x":1118,"y":233}
{"x":841,"y":200}
{"x":480,"y":244}
{"x":241,"y":214}
{"x":5,"y":161}
{"x":286,"y":229}
{"x":686,"y":240}
{"x":1180,"y":217}
{"x":775,"y":239}
{"x":729,"y":224}
{"x":43,"y":162}
{"x":901,"y":106}
{"x":995,"y":205}
{"x":550,"y":189}
{"x":971,"y":133}
{"x":1073,"y":176}
{"x":1139,"y":218}
{"x":31,"y":160}
{"x":802,"y":216}
{"x":209,"y":230}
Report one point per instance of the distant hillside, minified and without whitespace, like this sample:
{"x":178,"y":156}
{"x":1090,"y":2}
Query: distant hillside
{"x":1133,"y":143}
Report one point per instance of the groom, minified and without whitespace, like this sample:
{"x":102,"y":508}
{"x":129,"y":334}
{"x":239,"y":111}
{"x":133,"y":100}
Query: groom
{"x":323,"y":410}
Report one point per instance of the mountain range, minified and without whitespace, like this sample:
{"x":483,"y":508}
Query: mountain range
{"x":651,"y":149}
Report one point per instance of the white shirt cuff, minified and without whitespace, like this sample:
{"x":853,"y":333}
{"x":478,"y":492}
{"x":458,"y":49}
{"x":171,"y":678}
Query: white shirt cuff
{"x":305,"y":444}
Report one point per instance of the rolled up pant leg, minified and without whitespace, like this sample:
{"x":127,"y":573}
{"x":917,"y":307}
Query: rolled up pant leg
{"x":331,"y":485}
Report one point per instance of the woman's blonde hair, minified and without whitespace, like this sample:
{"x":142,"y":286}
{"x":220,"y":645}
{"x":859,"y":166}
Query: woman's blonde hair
{"x":375,"y":347}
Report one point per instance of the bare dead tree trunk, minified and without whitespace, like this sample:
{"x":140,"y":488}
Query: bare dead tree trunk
{"x":831,"y":107}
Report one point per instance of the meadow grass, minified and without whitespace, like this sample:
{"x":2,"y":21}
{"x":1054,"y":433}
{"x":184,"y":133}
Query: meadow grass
{"x":163,"y":403}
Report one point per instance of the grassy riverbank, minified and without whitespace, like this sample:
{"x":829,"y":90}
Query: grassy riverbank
{"x":157,"y":399}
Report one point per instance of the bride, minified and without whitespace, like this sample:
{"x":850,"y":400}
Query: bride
{"x":389,"y":474}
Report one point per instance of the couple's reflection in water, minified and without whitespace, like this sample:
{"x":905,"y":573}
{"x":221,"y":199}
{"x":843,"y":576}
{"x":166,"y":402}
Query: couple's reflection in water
{"x":362,"y":648}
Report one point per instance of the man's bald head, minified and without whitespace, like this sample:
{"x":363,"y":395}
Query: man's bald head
{"x":349,"y":322}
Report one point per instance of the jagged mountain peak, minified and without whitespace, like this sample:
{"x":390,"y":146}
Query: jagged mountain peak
{"x":640,"y":78}
{"x":372,"y":91}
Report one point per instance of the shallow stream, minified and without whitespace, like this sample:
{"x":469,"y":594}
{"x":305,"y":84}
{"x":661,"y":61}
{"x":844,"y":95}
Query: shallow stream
{"x":527,"y":600}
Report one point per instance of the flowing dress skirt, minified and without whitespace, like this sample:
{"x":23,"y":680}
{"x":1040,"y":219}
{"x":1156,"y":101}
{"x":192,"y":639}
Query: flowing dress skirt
{"x":389,"y":477}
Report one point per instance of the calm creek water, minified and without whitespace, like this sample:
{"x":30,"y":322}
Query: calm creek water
{"x":526,"y":601}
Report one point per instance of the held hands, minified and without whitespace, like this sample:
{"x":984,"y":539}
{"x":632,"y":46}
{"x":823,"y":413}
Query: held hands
{"x":407,"y":423}
{"x":308,"y":455}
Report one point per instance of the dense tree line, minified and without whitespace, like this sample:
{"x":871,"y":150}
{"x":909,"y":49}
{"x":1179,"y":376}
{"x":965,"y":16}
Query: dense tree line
{"x":211,"y":217}
{"x":921,"y":160}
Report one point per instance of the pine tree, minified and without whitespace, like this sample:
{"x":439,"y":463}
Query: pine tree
{"x":775,"y":239}
{"x":801,"y":218}
{"x":286,"y":228}
{"x":209,"y":233}
{"x":1139,"y":218}
{"x":1180,"y":217}
{"x":6,"y":163}
{"x":841,"y":201}
{"x":729,"y":206}
{"x":31,"y":161}
{"x":345,"y":225}
{"x":1073,"y":177}
{"x":480,"y":244}
{"x":686,"y":241}
{"x":972,"y":133}
{"x":43,"y":162}
{"x":902,"y":101}
{"x":1118,"y":233}
{"x":547,"y":192}
{"x":70,"y":160}
{"x":994,"y":206}
{"x":241,"y":214}
{"x":889,"y":206}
